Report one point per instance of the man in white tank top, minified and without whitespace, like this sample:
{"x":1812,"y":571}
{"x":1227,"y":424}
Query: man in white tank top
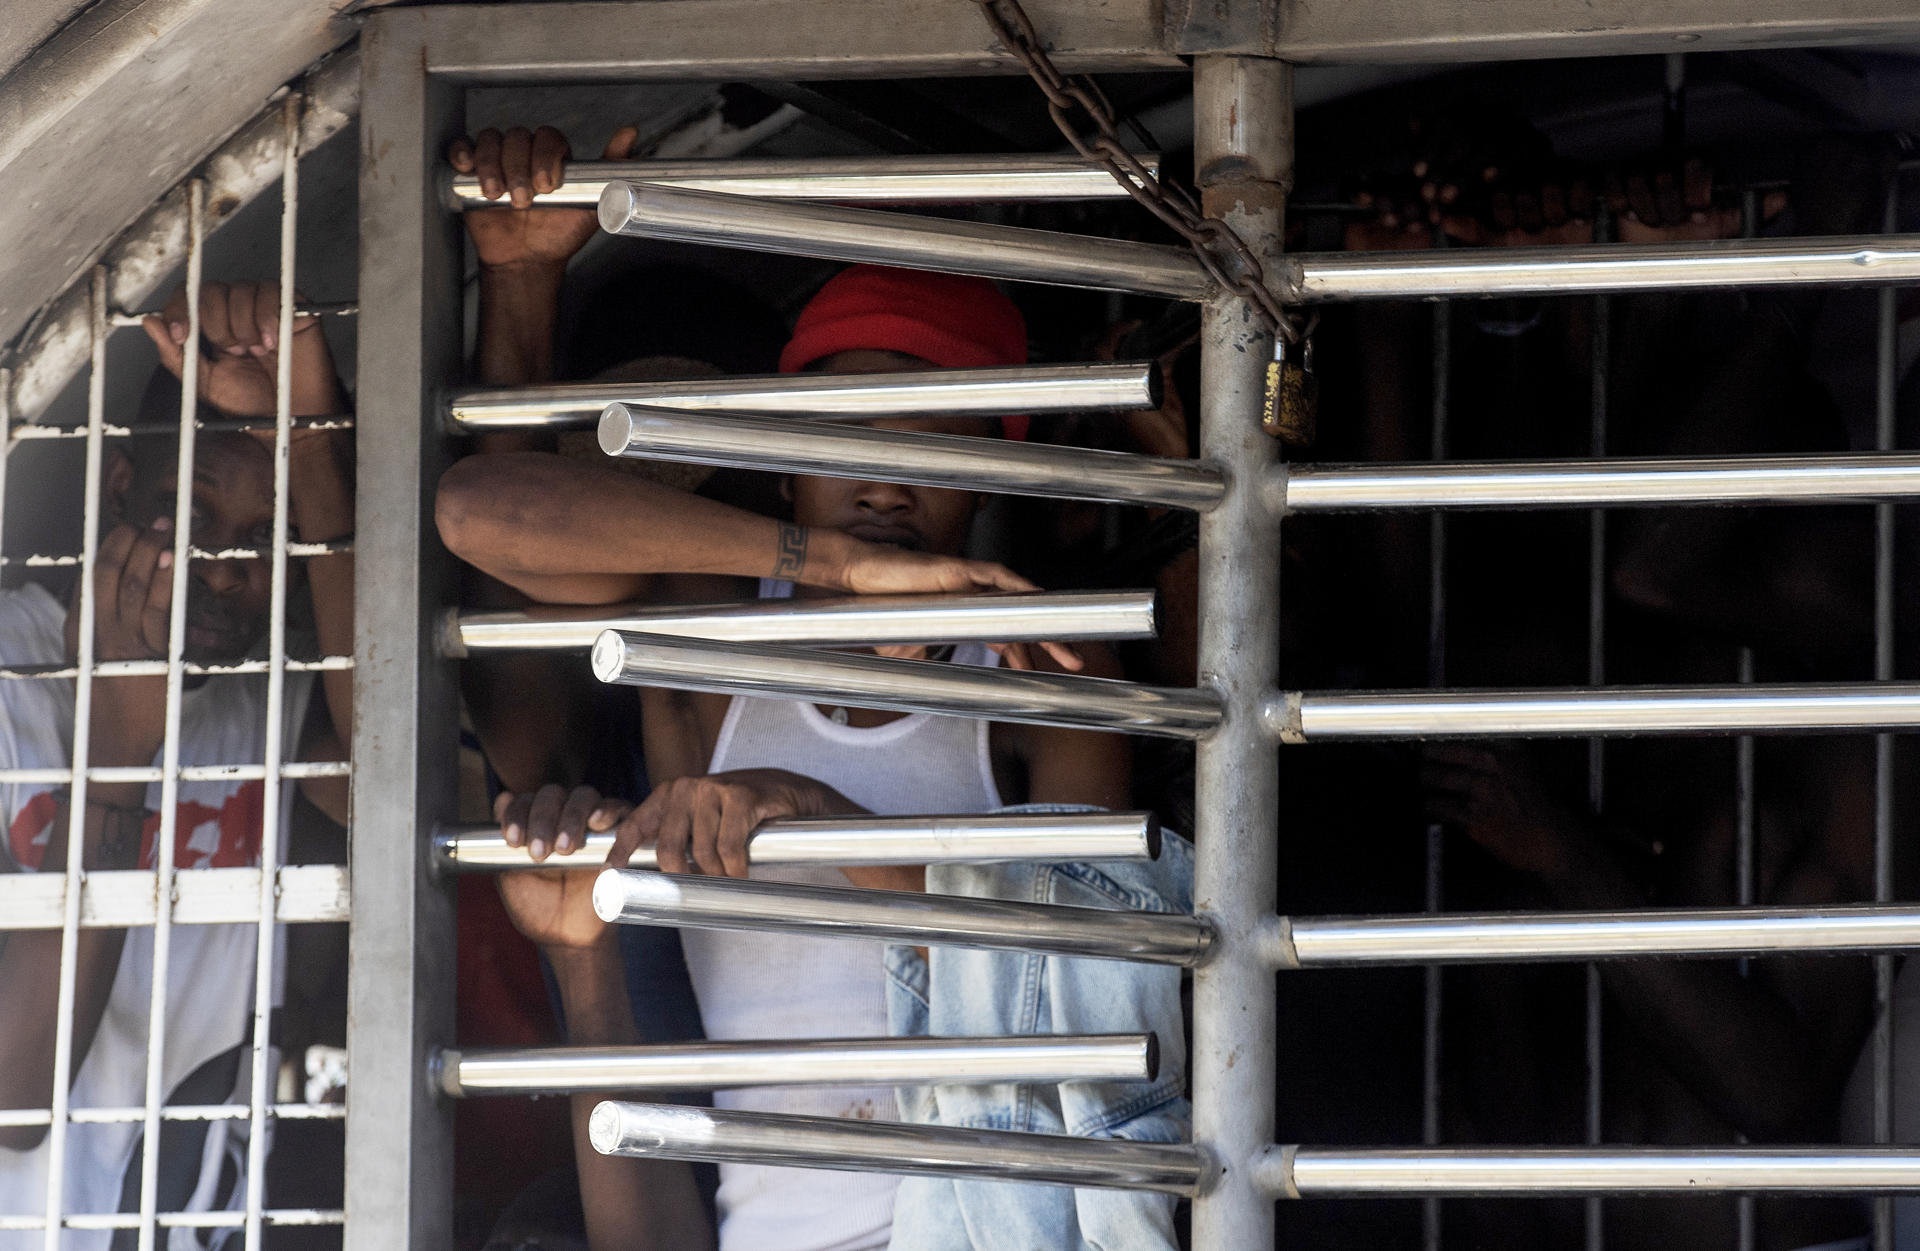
{"x":567,"y":532}
{"x":211,"y":974}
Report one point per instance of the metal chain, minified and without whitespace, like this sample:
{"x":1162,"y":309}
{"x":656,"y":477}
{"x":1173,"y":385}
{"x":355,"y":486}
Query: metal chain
{"x":1221,"y":251}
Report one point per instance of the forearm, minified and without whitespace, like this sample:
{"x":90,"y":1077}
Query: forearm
{"x":519,"y":307}
{"x":631,"y":1205}
{"x":30,"y":966}
{"x":549,"y":526}
{"x":320,"y":503}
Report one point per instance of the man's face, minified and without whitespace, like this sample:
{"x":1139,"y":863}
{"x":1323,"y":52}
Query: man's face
{"x":227,"y":600}
{"x":924,"y":519}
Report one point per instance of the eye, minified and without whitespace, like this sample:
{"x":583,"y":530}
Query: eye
{"x":261,"y":536}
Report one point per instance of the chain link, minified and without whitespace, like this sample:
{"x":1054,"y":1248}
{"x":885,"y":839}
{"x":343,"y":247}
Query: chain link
{"x":1221,"y":251}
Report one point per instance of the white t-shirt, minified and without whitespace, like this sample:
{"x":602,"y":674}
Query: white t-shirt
{"x":210,"y":971}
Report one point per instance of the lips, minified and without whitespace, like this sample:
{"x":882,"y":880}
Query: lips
{"x":893,"y":536}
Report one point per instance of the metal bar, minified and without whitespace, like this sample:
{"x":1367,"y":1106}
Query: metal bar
{"x":872,"y":236}
{"x":940,"y":460}
{"x":1886,"y":433}
{"x":137,"y":668}
{"x":399,"y":1182}
{"x":1720,"y":264}
{"x":655,"y":1131}
{"x":1432,"y":983}
{"x":1599,"y":405}
{"x":164,"y":840}
{"x":1503,"y":937}
{"x":63,"y":1062}
{"x":1314,"y":1172}
{"x":1125,"y":386}
{"x":120,"y":898}
{"x":907,"y":685}
{"x":1243,"y":162}
{"x":864,"y":840}
{"x":176,"y":1112}
{"x":841,"y":621}
{"x":891,"y":179}
{"x":1568,"y":711}
{"x":262,"y":1070}
{"x":1582,"y":483}
{"x":803,"y":1062}
{"x":174,"y":1220}
{"x":636,"y":897}
{"x":188,"y":773}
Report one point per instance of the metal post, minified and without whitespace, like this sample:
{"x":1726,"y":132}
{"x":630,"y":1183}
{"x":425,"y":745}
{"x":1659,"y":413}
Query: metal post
{"x":1432,"y":982}
{"x":1886,"y":396}
{"x":1315,"y":1172}
{"x":399,"y":1134}
{"x":780,"y":445}
{"x":1599,"y":399}
{"x":1243,"y":157}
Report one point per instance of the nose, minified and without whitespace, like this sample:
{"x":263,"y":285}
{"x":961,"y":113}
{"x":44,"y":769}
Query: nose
{"x":885,"y":498}
{"x":220,"y":577}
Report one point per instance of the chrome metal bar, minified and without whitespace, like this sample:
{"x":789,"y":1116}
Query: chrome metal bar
{"x":635,"y":897}
{"x":263,"y":1071}
{"x":1599,"y":410}
{"x":887,"y":179}
{"x":1583,"y":483}
{"x":874,"y":237}
{"x":671,"y":1132}
{"x":1432,"y":981}
{"x":842,"y":621}
{"x":1567,"y":711}
{"x":1315,"y":1172}
{"x":63,"y":1058}
{"x":940,"y":460}
{"x":803,"y":1062}
{"x":165,"y":837}
{"x":1125,"y":386}
{"x":1886,"y":434}
{"x":866,"y":840}
{"x":907,"y":685}
{"x":1492,"y":938}
{"x":1243,"y":160}
{"x":1862,"y":261}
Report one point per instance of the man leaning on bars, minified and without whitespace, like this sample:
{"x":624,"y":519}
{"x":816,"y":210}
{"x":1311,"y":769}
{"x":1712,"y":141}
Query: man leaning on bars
{"x":566,"y":531}
{"x":211,"y":968}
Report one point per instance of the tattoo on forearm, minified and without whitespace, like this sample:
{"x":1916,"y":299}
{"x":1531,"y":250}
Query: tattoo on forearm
{"x":792,"y":556}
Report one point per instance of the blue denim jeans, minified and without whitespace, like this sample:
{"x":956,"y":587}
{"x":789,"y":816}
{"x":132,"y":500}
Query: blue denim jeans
{"x":960,"y":993}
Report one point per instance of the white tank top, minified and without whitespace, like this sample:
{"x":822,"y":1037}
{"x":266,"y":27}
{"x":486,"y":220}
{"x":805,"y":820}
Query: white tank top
{"x":773,"y":986}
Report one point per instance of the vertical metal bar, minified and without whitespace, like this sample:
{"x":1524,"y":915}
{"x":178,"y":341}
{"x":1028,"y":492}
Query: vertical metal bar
{"x":400,"y":999}
{"x":1432,"y":986}
{"x":77,"y":793}
{"x":275,"y":748}
{"x":1746,"y":1209}
{"x":1599,"y":399}
{"x":1243,"y":144}
{"x":170,"y":743}
{"x":1886,"y":391}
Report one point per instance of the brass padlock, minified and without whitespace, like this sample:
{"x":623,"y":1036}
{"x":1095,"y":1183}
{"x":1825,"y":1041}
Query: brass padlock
{"x":1290,"y":411}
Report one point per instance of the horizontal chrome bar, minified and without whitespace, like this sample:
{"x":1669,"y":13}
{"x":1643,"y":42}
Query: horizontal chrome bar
{"x":1860,"y":261}
{"x":888,"y":179}
{"x":654,"y":1131}
{"x":881,"y":238}
{"x":1288,"y":1172}
{"x":938,"y":460}
{"x":905,"y":685}
{"x":803,"y":1062}
{"x":635,"y":897}
{"x":1593,"y":483}
{"x":842,"y":621}
{"x":866,"y":840}
{"x":1558,"y":711}
{"x":1467,"y":938}
{"x":12,"y":1117}
{"x":1125,"y":386}
{"x":118,"y":898}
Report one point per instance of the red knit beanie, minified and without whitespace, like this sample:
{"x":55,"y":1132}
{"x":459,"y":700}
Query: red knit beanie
{"x":951,"y":321}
